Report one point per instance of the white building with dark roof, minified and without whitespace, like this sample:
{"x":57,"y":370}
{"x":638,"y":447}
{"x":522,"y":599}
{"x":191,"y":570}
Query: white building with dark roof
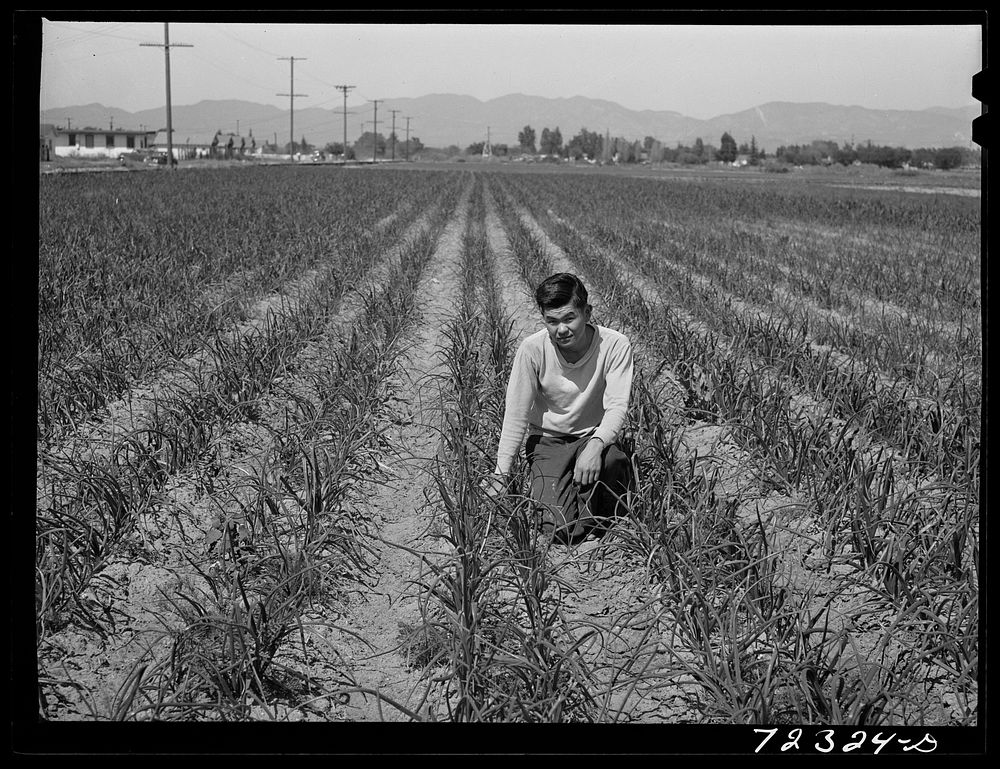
{"x":92,"y":142}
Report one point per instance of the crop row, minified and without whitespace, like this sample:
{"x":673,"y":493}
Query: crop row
{"x":923,"y":256}
{"x":124,"y":289}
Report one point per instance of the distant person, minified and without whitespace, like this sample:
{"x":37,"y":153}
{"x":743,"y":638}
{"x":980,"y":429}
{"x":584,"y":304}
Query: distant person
{"x":569,"y":391}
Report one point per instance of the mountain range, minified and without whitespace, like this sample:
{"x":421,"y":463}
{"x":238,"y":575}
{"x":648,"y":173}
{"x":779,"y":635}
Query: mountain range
{"x":440,"y":120}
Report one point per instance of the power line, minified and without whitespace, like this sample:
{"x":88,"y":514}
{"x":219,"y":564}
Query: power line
{"x":222,"y":66}
{"x":82,"y":34}
{"x":221,"y":28}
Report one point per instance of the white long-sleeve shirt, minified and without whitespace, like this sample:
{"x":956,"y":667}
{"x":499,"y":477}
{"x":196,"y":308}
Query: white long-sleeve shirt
{"x":546,"y":395}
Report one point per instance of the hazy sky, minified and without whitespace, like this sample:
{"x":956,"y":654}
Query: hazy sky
{"x":697,"y":70}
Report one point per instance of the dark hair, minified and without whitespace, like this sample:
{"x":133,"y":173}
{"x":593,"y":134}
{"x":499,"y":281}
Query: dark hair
{"x":559,"y":290}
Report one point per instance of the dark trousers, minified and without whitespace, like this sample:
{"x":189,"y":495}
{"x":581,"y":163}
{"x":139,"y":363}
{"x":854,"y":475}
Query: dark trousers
{"x":568,"y":511}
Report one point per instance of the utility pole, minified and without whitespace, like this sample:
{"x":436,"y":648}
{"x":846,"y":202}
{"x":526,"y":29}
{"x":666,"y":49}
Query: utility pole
{"x":407,"y":138}
{"x":394,"y":111}
{"x":166,"y":56}
{"x":291,"y":104}
{"x":375,"y":130}
{"x":345,"y":89}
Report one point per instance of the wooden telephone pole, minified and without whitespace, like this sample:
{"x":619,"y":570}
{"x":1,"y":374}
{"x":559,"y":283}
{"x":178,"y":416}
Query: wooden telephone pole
{"x":345,"y":89}
{"x":166,"y":54}
{"x":291,"y":104}
{"x":394,"y":111}
{"x":375,"y":131}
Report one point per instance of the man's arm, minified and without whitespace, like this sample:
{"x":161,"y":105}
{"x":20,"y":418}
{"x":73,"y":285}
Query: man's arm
{"x":522,"y":388}
{"x":617,"y":391}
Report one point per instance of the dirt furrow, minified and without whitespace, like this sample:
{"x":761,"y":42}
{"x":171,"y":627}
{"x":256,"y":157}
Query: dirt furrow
{"x":375,"y":630}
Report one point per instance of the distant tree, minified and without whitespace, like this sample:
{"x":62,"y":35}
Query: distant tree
{"x":526,"y":138}
{"x":621,"y":150}
{"x":411,"y":147}
{"x":888,"y":157}
{"x":699,"y":149}
{"x":364,"y":145}
{"x":827,"y":148}
{"x":846,"y":155}
{"x":586,"y":144}
{"x":800,"y":155}
{"x":949,"y":157}
{"x":500,"y":150}
{"x":669,"y":154}
{"x":551,"y":143}
{"x":476,"y":148}
{"x":971,"y":156}
{"x":727,"y":148}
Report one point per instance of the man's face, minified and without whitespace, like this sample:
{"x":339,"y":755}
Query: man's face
{"x":567,"y":327}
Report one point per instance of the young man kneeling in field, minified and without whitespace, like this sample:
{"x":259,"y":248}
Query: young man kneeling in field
{"x":569,"y":391}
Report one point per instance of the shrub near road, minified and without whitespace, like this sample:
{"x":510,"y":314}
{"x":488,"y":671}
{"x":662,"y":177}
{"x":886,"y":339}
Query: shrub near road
{"x":802,"y":544}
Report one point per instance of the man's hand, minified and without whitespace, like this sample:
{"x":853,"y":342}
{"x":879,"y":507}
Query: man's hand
{"x":494,"y":485}
{"x":588,"y":463}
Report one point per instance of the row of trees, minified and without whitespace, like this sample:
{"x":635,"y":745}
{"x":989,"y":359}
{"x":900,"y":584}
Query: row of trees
{"x":590,"y":145}
{"x":828,"y":153}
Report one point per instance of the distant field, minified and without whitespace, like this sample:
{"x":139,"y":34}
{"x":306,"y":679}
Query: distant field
{"x":267,"y":396}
